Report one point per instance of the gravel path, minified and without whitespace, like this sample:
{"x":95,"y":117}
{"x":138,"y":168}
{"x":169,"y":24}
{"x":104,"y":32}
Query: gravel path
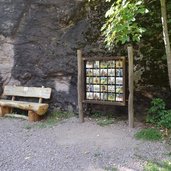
{"x":71,"y":146}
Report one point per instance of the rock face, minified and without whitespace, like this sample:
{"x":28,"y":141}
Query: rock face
{"x":38,"y":43}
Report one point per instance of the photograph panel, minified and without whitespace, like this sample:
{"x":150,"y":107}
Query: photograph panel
{"x":89,"y":96}
{"x":111,"y":96}
{"x":103,"y":88}
{"x":96,"y":88}
{"x":87,"y":87}
{"x":103,"y":64}
{"x":96,"y":96}
{"x":119,"y":64}
{"x":96,"y":64}
{"x":89,"y":72}
{"x":89,"y":64}
{"x":111,"y":64}
{"x":103,"y":96}
{"x":119,"y":72}
{"x":89,"y":80}
{"x":96,"y":80}
{"x":111,"y":80}
{"x":119,"y":80}
{"x":111,"y":72}
{"x":111,"y":88}
{"x":119,"y":97}
{"x":103,"y":72}
{"x":103,"y":80}
{"x":119,"y":89}
{"x":96,"y":72}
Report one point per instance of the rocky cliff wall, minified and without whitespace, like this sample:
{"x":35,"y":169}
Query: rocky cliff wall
{"x":38,"y":42}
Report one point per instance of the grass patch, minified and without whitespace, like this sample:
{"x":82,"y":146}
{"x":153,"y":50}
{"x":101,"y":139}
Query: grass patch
{"x":54,"y":118}
{"x":111,"y":169}
{"x":97,"y":115}
{"x":162,"y":166}
{"x":149,"y":134}
{"x":105,"y":121}
{"x":168,"y":154}
{"x":28,"y":127}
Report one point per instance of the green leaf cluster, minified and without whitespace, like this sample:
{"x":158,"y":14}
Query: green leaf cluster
{"x":158,"y":114}
{"x":121,"y":25}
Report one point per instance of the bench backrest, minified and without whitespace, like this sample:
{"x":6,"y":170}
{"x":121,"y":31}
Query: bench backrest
{"x":39,"y":92}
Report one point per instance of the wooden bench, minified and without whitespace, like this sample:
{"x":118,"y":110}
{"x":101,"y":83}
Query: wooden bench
{"x":35,"y":110}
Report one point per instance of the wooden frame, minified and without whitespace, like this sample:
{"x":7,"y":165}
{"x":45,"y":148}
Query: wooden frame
{"x":108,"y":85}
{"x":82,"y":82}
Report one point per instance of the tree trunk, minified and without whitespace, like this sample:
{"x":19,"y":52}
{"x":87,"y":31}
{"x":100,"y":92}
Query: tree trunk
{"x":166,"y":37}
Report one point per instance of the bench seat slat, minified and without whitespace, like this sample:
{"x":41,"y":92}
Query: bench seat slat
{"x":27,"y":91}
{"x":39,"y":108}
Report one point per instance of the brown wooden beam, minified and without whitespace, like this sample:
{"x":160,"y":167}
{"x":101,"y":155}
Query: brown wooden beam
{"x":131,"y":88}
{"x":79,"y":85}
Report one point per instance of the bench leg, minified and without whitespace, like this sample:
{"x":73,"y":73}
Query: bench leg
{"x":33,"y":117}
{"x":4,"y":110}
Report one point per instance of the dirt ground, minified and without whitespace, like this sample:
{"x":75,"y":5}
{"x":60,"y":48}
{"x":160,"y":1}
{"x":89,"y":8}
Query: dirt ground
{"x":72,"y":146}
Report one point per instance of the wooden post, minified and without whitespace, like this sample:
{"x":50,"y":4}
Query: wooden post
{"x":33,"y":117}
{"x":40,"y":99}
{"x":13,"y":98}
{"x":131,"y":87}
{"x":4,"y":110}
{"x":79,"y":85}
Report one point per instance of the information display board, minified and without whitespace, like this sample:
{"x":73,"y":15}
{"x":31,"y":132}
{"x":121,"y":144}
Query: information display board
{"x":104,"y":80}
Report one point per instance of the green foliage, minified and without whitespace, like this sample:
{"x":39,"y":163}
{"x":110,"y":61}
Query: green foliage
{"x":158,"y":115}
{"x":152,"y":51}
{"x":166,"y":120}
{"x":149,"y":134}
{"x":162,"y":166}
{"x":97,"y":115}
{"x":121,"y":25}
{"x":156,"y":111}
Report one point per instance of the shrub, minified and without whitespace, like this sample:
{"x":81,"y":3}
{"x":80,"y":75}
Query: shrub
{"x":158,"y":115}
{"x":166,"y":120}
{"x":156,"y":111}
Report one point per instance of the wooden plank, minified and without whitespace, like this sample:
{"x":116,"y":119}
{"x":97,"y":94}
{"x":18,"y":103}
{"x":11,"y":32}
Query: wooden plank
{"x":4,"y":110}
{"x":79,"y":85}
{"x":27,"y":91}
{"x":131,"y":88}
{"x":39,"y":108}
{"x":40,"y":99}
{"x":124,"y":81}
{"x":103,"y":58}
{"x":16,"y":116}
{"x":104,"y":102}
